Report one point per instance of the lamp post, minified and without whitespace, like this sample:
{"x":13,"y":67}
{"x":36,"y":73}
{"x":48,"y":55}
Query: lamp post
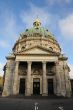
{"x":36,"y":106}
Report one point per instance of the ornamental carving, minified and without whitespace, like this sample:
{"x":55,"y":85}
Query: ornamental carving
{"x":36,"y":72}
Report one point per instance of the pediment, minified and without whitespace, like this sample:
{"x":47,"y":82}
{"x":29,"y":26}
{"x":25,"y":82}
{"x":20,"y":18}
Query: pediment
{"x":37,"y":50}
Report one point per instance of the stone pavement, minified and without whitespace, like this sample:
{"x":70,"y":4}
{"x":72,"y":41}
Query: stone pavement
{"x":36,"y":103}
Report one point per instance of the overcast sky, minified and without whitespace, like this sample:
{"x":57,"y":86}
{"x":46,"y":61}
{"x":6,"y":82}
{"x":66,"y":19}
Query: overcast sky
{"x":17,"y":15}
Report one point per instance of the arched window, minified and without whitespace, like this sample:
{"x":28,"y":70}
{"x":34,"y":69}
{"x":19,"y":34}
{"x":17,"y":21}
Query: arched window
{"x":50,"y":48}
{"x":23,"y":47}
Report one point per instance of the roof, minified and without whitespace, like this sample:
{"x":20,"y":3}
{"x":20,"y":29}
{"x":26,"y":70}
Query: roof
{"x":37,"y":29}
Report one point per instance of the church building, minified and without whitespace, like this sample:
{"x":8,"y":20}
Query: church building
{"x":36,"y":65}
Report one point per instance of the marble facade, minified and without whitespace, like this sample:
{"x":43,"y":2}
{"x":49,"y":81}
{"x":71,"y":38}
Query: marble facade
{"x":36,"y":66}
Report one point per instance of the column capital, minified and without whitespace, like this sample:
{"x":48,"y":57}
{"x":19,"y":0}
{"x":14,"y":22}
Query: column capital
{"x":29,"y":62}
{"x":44,"y":62}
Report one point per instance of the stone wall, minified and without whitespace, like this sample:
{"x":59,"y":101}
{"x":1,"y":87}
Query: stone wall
{"x":9,"y":76}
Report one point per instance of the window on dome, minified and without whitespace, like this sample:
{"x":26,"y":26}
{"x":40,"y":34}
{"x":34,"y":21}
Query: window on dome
{"x":26,"y":29}
{"x":23,"y":47}
{"x":25,"y":35}
{"x":46,"y":29}
{"x":50,"y":48}
{"x":36,"y":34}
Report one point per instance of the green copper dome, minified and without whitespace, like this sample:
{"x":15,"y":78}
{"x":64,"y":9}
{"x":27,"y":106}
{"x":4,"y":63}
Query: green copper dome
{"x":38,"y":31}
{"x":35,"y":36}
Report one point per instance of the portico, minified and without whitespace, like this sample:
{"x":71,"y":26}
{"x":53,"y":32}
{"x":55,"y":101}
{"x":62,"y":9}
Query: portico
{"x":36,"y":75}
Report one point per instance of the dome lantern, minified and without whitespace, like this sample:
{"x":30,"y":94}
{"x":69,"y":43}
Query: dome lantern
{"x":37,"y":23}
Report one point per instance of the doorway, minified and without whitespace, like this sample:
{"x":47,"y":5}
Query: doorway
{"x":22,"y":86}
{"x":36,"y":86}
{"x":50,"y":87}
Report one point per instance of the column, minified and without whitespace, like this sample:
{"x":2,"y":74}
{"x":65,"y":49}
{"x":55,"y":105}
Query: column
{"x":44,"y":81}
{"x":28,"y":80}
{"x":58,"y":79}
{"x":15,"y":85}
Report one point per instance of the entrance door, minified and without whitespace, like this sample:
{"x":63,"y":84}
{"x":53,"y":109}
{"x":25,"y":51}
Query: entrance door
{"x":50,"y":87}
{"x":36,"y":87}
{"x":22,"y":86}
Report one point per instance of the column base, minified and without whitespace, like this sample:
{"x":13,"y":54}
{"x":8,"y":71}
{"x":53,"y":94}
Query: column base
{"x":27,"y":93}
{"x":15,"y":90}
{"x":68,"y":94}
{"x":5,"y":94}
{"x":63,"y":93}
{"x":44,"y":94}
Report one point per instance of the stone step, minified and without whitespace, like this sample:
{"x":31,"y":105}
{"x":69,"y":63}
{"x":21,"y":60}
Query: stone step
{"x":36,"y":97}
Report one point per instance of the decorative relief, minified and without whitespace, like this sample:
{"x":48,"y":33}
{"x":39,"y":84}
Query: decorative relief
{"x":22,"y":71}
{"x":36,"y":72}
{"x":51,"y":48}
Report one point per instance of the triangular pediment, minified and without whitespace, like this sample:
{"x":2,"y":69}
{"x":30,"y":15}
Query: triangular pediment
{"x":37,"y":50}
